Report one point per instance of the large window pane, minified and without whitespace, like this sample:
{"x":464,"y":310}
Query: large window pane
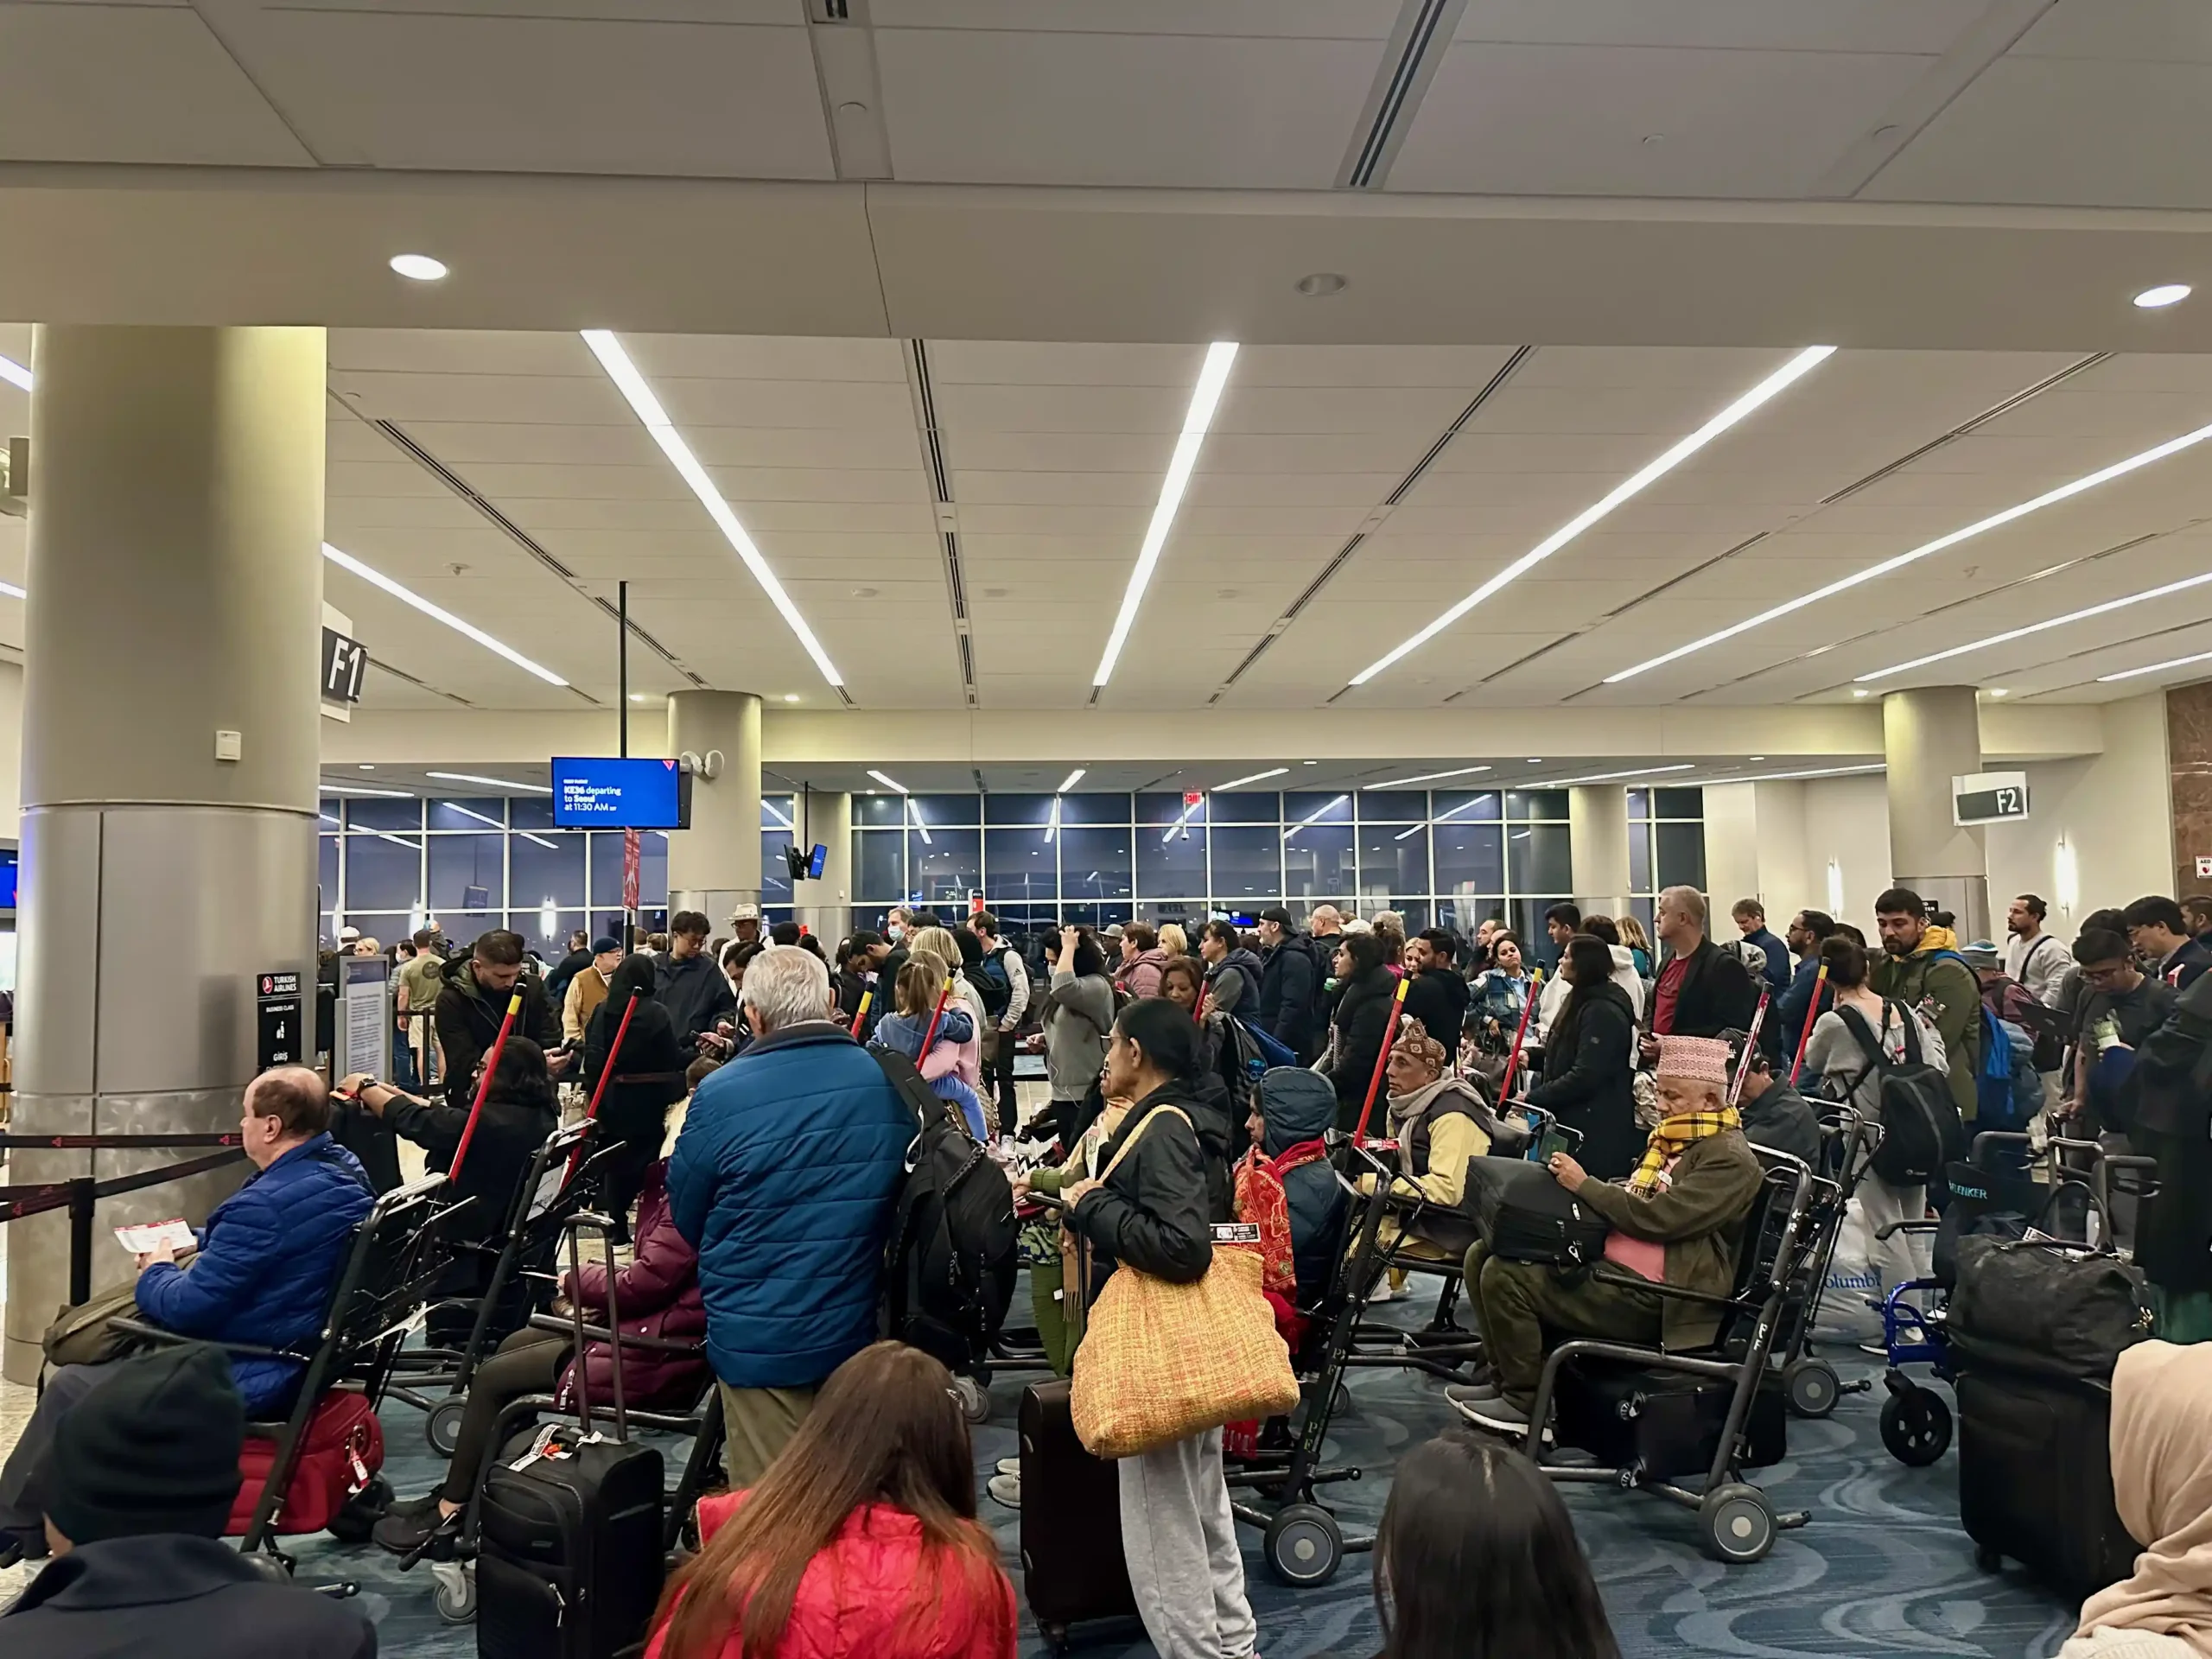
{"x":1317,"y":863}
{"x":325,"y":868}
{"x":878,"y":809}
{"x":383,"y":875}
{"x":1095,"y":863}
{"x":373,"y":813}
{"x":1639,"y":803}
{"x":1322,"y":808}
{"x":469,"y":870}
{"x":1247,"y":864}
{"x":1392,"y":805}
{"x":1174,"y":868}
{"x":1245,"y":806}
{"x":1679,"y":803}
{"x":1163,"y":807}
{"x":1391,"y":861}
{"x":476,"y":813}
{"x":1470,"y":858}
{"x":878,"y":867}
{"x":1018,"y":809}
{"x":551,"y":943}
{"x":1549,"y":804}
{"x":552,"y":867}
{"x":606,"y":870}
{"x":944,"y":870}
{"x":1475,"y":805}
{"x":1680,"y":848}
{"x":1639,"y":856}
{"x":775,"y":874}
{"x":1539,"y":858}
{"x":1020,"y":866}
{"x":463,"y":926}
{"x":958,"y":811}
{"x":530,"y":812}
{"x":778,"y":812}
{"x":1094,"y":808}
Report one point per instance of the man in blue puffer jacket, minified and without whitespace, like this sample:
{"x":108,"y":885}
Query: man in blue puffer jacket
{"x":262,"y":1274}
{"x":784,"y":1178}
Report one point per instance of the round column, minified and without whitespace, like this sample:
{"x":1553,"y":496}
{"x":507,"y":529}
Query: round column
{"x":826,"y":906}
{"x":175,"y":595}
{"x":1928,"y":737}
{"x":1597,"y":829}
{"x":716,"y":862}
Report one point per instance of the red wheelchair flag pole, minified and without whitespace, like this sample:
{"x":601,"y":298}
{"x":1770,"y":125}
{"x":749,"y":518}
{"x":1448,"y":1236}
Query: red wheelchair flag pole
{"x":1812,"y":1013}
{"x":483,"y":1086}
{"x":1519,"y":1036}
{"x":606,"y":1071}
{"x":1382,"y":1061}
{"x":936,"y":1017}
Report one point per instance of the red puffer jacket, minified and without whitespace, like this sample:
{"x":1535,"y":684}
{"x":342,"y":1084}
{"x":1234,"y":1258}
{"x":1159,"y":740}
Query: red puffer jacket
{"x":657,"y":1294}
{"x":869,"y":1596}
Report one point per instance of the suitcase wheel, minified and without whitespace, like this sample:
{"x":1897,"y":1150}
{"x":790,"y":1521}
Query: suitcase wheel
{"x":975,"y":1401}
{"x":1735,"y":1524}
{"x":441,"y":1427}
{"x":1812,"y":1387}
{"x":1305,"y":1544}
{"x":1916,"y":1426}
{"x":452,"y":1592}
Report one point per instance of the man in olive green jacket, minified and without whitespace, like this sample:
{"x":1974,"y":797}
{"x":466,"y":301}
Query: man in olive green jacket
{"x":1921,"y":968}
{"x":1681,"y":1224}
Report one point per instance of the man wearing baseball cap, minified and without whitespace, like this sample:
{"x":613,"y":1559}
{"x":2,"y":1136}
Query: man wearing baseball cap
{"x":1677,"y":1221}
{"x":143,"y":1476}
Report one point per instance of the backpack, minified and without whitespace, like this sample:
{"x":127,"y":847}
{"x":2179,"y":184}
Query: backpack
{"x":1921,"y":1133}
{"x":988,"y":977}
{"x":2008,"y":1091}
{"x":950,"y":1263}
{"x":2044,"y":1028}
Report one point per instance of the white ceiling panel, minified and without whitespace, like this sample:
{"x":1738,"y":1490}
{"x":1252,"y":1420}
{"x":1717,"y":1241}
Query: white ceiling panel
{"x":1255,"y":19}
{"x":1923,"y":26}
{"x":543,"y":93}
{"x":114,"y":83}
{"x":1637,"y":121}
{"x":1017,"y":107}
{"x":2140,"y":31}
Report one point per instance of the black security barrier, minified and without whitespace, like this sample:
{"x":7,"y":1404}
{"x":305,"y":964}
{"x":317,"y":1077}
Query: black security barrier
{"x":80,"y":1193}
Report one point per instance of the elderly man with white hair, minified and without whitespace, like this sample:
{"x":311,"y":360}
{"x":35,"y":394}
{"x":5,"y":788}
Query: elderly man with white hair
{"x":783,"y":1179}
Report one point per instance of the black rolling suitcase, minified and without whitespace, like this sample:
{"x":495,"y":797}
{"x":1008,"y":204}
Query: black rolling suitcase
{"x":1664,"y":1424}
{"x":569,"y":1531}
{"x":1072,"y":1569}
{"x":2034,"y":1332}
{"x":1525,"y":1215}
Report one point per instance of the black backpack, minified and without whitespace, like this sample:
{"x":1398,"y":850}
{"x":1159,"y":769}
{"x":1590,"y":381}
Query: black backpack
{"x":950,"y":1263}
{"x":1922,"y":1131}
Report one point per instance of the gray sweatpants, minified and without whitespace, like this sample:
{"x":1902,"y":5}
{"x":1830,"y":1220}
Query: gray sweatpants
{"x":1181,"y":1539}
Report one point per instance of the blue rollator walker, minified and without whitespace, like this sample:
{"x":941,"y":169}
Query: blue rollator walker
{"x":1997,"y":1191}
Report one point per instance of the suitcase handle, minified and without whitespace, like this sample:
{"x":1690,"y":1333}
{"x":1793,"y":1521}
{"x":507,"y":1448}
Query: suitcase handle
{"x":604,"y":1226}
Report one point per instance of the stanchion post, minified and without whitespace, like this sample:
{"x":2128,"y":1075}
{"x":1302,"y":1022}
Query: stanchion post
{"x":81,"y":1196}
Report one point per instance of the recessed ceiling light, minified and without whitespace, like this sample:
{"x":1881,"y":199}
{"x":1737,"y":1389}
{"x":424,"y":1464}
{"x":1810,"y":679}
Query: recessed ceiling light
{"x":1758,"y":757}
{"x":366,"y":767}
{"x":2153,"y":299}
{"x":1309,"y":763}
{"x":648,"y":408}
{"x":421,"y":268}
{"x":1535,"y":759}
{"x":639,"y":696}
{"x":1213,"y":375}
{"x":1798,"y":367}
{"x":1322,"y":283}
{"x":1860,"y":691}
{"x":346,"y":561}
{"x":1998,"y":691}
{"x":2019,"y":510}
{"x":791,"y":697}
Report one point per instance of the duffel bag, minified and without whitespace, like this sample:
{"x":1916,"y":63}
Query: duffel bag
{"x":1525,"y":1215}
{"x":342,"y":1450}
{"x":2047,"y":1309}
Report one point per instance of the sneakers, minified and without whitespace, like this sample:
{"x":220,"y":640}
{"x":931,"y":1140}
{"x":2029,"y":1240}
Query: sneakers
{"x":1007,"y":1490}
{"x":1009,"y":1465}
{"x":1473,"y":1394}
{"x":414,"y":1525}
{"x":1500,"y":1416}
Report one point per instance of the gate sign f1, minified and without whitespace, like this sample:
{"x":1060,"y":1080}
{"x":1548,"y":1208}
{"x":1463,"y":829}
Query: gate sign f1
{"x":344,"y":663}
{"x":1989,"y":797}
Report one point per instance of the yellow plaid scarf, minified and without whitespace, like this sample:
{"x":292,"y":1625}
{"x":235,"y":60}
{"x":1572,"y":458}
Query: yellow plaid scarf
{"x":1672,"y":1136}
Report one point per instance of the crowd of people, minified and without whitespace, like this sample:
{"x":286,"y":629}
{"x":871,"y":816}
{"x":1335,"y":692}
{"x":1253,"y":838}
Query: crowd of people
{"x":761,"y":1148}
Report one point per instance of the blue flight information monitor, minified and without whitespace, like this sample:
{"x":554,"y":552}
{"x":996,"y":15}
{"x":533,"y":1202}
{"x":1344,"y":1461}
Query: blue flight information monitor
{"x":603,"y":792}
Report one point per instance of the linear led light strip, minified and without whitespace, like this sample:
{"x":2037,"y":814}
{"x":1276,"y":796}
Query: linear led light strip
{"x":1257,"y":777}
{"x":494,"y":782}
{"x":1798,"y":367}
{"x":906,"y":794}
{"x":1426,"y":778}
{"x":1612,"y":777}
{"x":2011,"y":634}
{"x":1052,"y":824}
{"x":1211,"y":377}
{"x":1466,"y":806}
{"x":1302,"y":823}
{"x":2155,"y":668}
{"x":1843,"y":584}
{"x":633,"y":386}
{"x":1786,"y":777}
{"x":470,"y":812}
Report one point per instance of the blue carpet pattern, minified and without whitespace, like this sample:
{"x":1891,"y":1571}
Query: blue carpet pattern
{"x":1881,"y":1569}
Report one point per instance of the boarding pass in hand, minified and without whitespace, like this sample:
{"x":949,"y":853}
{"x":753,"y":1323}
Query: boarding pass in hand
{"x":173,"y":1235}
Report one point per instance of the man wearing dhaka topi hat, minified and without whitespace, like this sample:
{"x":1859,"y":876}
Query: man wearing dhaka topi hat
{"x":1678,"y":1220}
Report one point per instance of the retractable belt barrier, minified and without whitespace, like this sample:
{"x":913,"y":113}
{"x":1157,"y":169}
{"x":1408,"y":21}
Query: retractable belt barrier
{"x":80,"y":1193}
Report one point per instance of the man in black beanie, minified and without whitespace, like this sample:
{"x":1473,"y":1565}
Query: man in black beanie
{"x":144,"y":1472}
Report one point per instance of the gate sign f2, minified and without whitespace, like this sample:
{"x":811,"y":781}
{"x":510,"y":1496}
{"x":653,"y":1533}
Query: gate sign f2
{"x":1989,"y":797}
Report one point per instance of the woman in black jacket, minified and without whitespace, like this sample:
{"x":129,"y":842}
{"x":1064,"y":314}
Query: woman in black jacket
{"x":648,"y":1079}
{"x":1154,"y":1213}
{"x":1588,"y":1082}
{"x":1362,"y":1017}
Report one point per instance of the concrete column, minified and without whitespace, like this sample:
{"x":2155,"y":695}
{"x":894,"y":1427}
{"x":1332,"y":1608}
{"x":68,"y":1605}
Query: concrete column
{"x":1928,"y":737}
{"x":1597,"y":830}
{"x":175,"y":583}
{"x":826,"y":907}
{"x":716,"y":862}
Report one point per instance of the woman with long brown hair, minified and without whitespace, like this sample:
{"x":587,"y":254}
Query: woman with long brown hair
{"x":860,"y":1542}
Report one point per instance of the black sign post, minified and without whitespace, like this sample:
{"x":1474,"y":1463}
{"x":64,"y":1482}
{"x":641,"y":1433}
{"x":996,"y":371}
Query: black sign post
{"x":282,"y":1028}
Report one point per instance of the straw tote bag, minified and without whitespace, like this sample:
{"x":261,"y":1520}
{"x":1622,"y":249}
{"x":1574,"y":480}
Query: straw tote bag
{"x":1161,"y":1362}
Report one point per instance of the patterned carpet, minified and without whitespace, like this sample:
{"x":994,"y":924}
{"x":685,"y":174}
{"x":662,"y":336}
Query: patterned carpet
{"x":1883,"y":1568}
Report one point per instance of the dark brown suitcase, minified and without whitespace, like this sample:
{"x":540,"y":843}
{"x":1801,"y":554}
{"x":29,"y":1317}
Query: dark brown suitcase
{"x":1072,"y":1569}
